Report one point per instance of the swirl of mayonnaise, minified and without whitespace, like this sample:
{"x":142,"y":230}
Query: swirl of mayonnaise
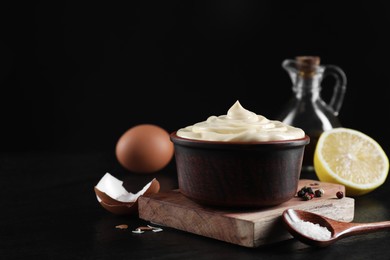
{"x":240,"y":124}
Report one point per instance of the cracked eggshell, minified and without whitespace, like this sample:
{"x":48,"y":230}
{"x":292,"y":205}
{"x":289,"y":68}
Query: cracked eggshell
{"x":112,"y":196}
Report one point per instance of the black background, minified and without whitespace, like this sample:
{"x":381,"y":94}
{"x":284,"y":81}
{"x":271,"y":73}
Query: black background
{"x":75,"y":75}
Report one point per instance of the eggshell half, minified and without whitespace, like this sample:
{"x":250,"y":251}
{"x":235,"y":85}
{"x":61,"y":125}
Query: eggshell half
{"x":124,"y":203}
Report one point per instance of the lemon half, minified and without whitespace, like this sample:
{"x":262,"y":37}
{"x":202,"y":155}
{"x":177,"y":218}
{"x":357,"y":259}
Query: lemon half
{"x":351,"y":158}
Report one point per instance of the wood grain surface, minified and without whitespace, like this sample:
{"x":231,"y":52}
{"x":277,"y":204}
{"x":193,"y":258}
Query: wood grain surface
{"x":245,"y":227}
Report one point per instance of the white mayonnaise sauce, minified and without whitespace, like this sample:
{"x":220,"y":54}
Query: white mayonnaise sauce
{"x":240,"y":124}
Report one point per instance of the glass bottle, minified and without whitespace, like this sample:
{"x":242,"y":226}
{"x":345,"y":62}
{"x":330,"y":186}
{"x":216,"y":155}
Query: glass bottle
{"x":306,"y":109}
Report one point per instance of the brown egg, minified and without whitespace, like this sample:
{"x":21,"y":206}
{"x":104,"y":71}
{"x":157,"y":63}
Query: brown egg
{"x":144,"y":148}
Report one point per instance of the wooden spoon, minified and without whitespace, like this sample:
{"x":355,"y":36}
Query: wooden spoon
{"x":317,"y":235}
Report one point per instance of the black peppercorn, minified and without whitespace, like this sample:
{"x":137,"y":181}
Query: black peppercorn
{"x":301,"y":193}
{"x":340,"y":194}
{"x":319,"y":193}
{"x":309,"y":190}
{"x":307,"y":196}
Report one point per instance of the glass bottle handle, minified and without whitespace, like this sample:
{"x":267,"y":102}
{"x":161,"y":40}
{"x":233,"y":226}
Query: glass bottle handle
{"x":339,"y":88}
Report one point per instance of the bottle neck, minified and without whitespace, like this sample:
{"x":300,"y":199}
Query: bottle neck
{"x":308,"y":86}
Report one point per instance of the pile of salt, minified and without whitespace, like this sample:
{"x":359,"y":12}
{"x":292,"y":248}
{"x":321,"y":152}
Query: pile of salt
{"x":312,"y":230}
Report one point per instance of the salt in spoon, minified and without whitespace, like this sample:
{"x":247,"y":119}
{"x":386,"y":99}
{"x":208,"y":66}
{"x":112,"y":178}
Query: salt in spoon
{"x":316,"y":230}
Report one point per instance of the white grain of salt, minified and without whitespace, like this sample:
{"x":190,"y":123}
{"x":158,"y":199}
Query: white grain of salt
{"x":312,"y":230}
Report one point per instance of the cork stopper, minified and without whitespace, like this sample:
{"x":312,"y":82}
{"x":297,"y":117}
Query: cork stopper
{"x":307,"y":64}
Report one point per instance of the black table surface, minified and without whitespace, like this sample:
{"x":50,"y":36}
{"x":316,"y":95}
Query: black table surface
{"x":49,"y":211}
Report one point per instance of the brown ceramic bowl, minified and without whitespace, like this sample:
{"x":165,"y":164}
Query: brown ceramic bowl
{"x":238,"y":174}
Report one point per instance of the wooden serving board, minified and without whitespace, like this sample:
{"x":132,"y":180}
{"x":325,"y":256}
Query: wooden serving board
{"x":248,"y":228}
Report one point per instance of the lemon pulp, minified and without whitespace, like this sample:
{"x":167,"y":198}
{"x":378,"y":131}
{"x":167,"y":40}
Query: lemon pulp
{"x":351,"y":158}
